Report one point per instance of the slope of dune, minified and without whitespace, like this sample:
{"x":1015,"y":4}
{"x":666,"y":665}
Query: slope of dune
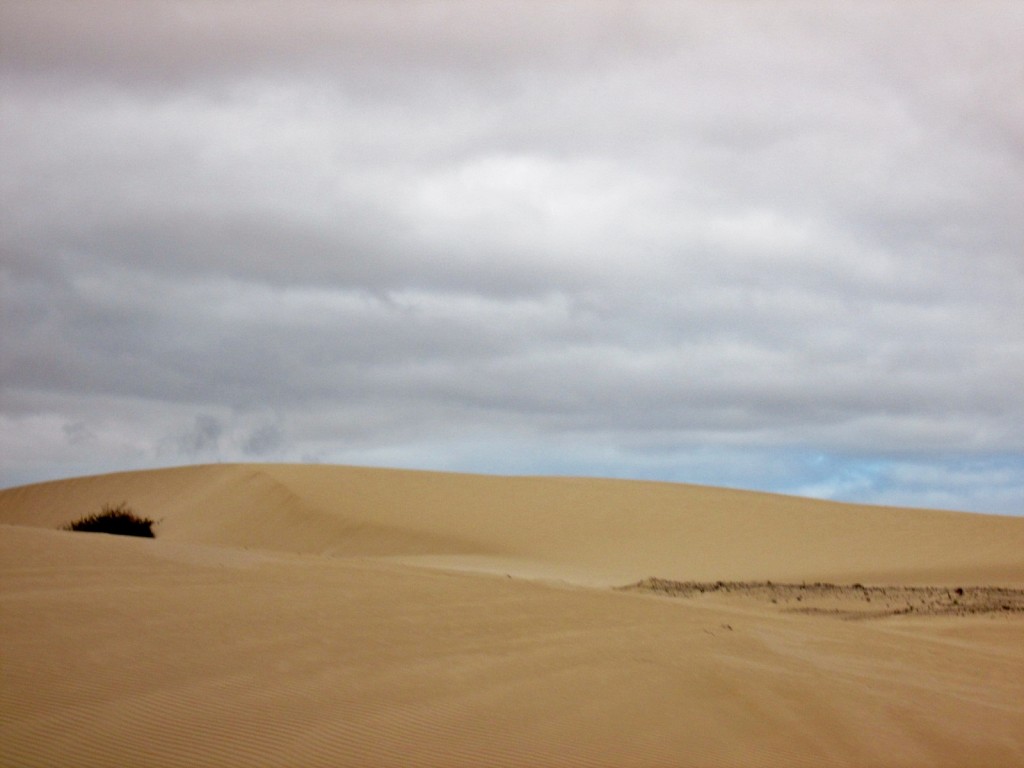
{"x":588,"y":530}
{"x":307,"y":616}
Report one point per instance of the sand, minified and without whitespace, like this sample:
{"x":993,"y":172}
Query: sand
{"x":294,"y":615}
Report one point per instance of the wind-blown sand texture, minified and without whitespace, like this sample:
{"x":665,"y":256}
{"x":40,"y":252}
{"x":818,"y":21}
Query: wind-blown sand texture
{"x":298,"y":615}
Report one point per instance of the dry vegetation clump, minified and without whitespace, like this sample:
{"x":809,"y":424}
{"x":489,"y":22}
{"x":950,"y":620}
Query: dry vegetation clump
{"x":852,"y":601}
{"x":119,"y":520}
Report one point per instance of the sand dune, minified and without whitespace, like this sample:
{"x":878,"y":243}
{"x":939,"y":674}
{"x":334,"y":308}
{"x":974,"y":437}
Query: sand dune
{"x":588,"y":530}
{"x":309,"y":615}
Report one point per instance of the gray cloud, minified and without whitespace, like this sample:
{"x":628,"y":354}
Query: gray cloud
{"x":201,"y":437}
{"x":613,"y":238}
{"x":263,"y":441}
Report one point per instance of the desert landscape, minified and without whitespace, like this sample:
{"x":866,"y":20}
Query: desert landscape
{"x":306,"y":615}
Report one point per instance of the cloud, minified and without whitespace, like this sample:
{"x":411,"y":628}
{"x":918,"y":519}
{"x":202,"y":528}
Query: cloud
{"x":200,"y":437}
{"x":622,"y":239}
{"x":263,"y":441}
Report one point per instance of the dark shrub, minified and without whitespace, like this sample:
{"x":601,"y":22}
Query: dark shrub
{"x":119,"y":520}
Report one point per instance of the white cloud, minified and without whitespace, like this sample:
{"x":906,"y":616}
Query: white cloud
{"x":620,"y":239}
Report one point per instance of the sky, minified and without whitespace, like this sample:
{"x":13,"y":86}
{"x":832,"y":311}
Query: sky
{"x":765,"y":245}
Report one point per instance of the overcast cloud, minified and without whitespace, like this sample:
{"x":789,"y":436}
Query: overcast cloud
{"x":767,"y":245}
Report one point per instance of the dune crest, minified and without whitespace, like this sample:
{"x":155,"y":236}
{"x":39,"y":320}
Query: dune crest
{"x":591,"y":530}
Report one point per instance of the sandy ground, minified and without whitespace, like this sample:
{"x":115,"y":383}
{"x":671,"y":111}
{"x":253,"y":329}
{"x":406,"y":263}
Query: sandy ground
{"x":306,"y":615}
